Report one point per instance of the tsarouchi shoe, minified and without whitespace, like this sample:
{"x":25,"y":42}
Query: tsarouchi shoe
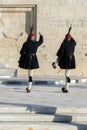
{"x":28,"y":90}
{"x":64,"y":90}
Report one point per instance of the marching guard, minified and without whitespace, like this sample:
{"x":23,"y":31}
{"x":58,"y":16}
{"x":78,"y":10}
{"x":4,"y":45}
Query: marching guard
{"x":28,"y":59}
{"x":66,"y":58}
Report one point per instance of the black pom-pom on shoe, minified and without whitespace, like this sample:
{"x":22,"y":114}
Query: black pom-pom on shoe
{"x":28,"y":90}
{"x":64,"y":90}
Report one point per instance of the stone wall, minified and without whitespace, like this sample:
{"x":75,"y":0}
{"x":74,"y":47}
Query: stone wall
{"x":53,"y":20}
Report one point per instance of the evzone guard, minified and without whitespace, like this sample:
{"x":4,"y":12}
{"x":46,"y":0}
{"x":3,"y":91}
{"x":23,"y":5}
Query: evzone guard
{"x":66,"y":58}
{"x":28,"y":59}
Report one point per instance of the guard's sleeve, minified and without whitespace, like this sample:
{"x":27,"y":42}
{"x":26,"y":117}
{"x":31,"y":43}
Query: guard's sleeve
{"x":22,"y":51}
{"x":60,"y":51}
{"x":74,"y":41}
{"x":40,"y":40}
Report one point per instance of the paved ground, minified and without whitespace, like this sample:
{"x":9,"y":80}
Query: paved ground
{"x":43,"y":94}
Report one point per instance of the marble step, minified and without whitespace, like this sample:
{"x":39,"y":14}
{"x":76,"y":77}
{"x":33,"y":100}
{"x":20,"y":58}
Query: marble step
{"x":43,"y":117}
{"x":41,"y":109}
{"x":42,"y":126}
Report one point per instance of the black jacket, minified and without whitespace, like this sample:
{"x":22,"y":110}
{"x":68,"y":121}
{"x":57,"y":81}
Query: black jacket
{"x":66,"y":54}
{"x":28,"y":58}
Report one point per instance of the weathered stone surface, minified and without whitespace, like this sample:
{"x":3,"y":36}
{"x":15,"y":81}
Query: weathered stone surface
{"x":53,"y":21}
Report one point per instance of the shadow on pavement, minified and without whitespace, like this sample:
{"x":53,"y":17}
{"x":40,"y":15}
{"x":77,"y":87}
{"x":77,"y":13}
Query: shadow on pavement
{"x":37,"y":109}
{"x":67,"y":119}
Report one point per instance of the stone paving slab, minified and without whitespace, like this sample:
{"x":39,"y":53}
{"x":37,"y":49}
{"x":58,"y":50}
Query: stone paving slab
{"x":42,"y":126}
{"x":47,"y":80}
{"x":15,"y":94}
{"x":40,"y":109}
{"x":43,"y":117}
{"x":43,"y":99}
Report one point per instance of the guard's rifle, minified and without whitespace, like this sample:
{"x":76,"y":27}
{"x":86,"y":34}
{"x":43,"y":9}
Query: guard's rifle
{"x":29,"y":37}
{"x":69,"y":29}
{"x":54,"y":64}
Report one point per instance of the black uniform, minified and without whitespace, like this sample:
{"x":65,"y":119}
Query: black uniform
{"x":28,"y":58}
{"x":66,"y":58}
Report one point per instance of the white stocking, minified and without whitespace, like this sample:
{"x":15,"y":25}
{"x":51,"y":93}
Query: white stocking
{"x":30,"y":75}
{"x":67,"y":74}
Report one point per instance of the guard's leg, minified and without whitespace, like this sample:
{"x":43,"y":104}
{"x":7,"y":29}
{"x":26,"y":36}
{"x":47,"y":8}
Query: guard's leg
{"x":67,"y":81}
{"x":30,"y":80}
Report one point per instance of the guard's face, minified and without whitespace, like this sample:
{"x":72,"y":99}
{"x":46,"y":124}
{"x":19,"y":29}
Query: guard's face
{"x":33,"y":38}
{"x":68,"y":38}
